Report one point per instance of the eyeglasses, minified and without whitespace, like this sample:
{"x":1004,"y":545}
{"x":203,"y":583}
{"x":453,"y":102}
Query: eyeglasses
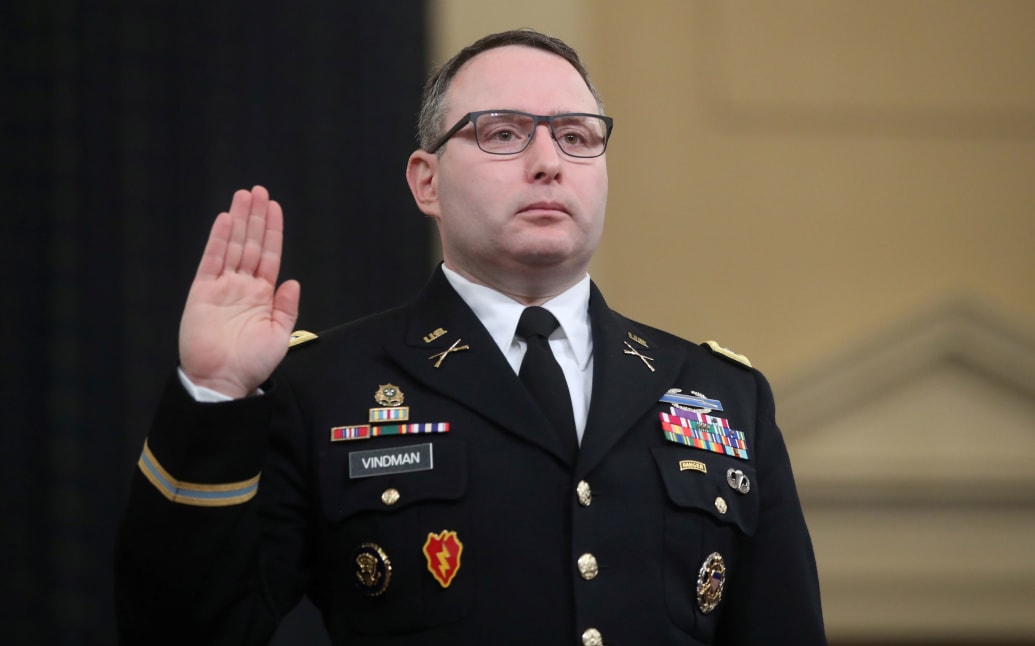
{"x":508,"y":132}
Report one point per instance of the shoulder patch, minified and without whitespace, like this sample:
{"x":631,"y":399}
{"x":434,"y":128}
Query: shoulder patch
{"x":299,"y":337}
{"x":726,"y":352}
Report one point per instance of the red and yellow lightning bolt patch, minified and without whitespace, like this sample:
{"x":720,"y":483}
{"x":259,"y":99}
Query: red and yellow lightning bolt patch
{"x":443,"y":553}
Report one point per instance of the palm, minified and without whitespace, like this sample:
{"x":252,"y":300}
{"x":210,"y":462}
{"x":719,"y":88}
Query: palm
{"x":236,"y":323}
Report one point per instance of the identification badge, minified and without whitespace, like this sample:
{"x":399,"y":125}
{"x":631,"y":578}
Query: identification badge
{"x":382,"y":462}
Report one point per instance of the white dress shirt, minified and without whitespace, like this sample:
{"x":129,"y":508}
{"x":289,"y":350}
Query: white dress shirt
{"x":571,"y":343}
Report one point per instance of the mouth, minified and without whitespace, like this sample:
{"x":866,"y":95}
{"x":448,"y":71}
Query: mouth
{"x":544,"y":208}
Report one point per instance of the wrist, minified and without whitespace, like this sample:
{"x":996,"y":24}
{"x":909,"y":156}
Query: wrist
{"x":213,"y":390}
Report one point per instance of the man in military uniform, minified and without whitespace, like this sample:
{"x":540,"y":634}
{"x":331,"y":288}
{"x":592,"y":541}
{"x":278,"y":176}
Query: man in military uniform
{"x":503,"y":459}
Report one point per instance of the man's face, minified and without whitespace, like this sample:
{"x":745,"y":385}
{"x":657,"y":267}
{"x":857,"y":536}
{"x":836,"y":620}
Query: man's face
{"x":524,"y":221}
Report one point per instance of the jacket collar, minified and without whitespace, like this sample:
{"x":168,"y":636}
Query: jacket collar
{"x":447,"y":349}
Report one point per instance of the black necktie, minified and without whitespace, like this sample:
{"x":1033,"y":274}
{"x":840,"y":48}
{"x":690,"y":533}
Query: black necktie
{"x":543,"y":377}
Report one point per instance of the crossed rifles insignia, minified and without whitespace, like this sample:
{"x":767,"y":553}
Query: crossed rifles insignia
{"x":456,"y":347}
{"x":629,"y":349}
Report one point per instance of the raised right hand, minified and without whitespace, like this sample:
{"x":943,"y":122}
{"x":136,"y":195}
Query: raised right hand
{"x":237,"y":323}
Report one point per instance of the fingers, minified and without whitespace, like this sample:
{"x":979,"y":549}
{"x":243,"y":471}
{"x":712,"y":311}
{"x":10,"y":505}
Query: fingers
{"x":247,"y":239}
{"x":273,"y":244}
{"x":214,"y":257}
{"x":240,"y":211}
{"x":255,"y":231}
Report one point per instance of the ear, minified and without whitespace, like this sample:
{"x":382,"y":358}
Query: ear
{"x":422,"y":176}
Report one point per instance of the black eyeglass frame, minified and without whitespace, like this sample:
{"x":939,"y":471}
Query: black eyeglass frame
{"x":472,"y":118}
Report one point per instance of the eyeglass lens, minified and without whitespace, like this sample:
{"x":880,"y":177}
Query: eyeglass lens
{"x":507,"y":133}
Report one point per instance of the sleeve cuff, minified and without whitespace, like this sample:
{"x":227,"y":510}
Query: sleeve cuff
{"x":202,"y":394}
{"x":207,"y":453}
{"x":189,"y":493}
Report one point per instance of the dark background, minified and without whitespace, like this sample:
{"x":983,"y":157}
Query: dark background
{"x":125,"y":129}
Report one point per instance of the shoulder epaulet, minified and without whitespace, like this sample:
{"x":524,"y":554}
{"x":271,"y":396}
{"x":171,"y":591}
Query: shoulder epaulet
{"x":726,"y":352}
{"x":300,"y":337}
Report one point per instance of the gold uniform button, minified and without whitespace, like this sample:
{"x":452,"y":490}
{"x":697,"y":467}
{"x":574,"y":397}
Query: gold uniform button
{"x":390,"y":496}
{"x":592,"y":638}
{"x":720,"y":504}
{"x":588,"y":566}
{"x":584,"y":493}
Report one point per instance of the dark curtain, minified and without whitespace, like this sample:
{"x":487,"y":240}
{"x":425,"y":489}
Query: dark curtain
{"x":126,"y":128}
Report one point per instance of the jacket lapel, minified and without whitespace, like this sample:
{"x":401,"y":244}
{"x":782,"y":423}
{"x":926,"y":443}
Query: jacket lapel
{"x":439,"y":325}
{"x":624,"y":387}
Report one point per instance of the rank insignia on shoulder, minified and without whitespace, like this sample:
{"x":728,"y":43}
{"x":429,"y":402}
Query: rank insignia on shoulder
{"x":726,"y":352}
{"x":373,"y":569}
{"x":443,"y":552}
{"x":711,"y":580}
{"x":300,"y":337}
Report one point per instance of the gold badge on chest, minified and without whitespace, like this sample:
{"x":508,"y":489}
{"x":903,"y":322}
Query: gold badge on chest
{"x":711,"y":581}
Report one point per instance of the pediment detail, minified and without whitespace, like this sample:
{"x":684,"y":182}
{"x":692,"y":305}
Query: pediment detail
{"x":940,"y":408}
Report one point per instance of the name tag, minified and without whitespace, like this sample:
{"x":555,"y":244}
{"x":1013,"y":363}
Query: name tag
{"x":382,"y":462}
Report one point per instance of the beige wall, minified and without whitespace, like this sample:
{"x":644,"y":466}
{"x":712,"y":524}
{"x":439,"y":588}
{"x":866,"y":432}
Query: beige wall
{"x":812,"y":183}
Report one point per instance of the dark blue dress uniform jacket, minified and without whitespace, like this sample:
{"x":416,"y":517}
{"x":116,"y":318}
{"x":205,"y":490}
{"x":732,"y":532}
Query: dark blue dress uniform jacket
{"x":226,"y":574}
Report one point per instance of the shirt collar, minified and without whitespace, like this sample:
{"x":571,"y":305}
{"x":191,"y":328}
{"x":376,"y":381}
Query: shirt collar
{"x":499,"y":313}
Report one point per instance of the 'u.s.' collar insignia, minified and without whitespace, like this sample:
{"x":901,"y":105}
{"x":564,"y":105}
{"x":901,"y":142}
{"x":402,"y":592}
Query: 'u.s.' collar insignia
{"x":736,"y":479}
{"x":456,"y":347}
{"x":711,"y":580}
{"x":431,"y":336}
{"x":389,"y":395}
{"x":443,"y":552}
{"x":638,"y":339}
{"x":633,"y":351}
{"x":373,"y":569}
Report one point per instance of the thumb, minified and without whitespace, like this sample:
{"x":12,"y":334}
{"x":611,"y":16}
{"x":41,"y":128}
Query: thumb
{"x":285,"y":304}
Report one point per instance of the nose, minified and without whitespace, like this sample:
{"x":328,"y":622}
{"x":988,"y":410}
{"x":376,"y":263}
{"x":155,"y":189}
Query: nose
{"x":543,"y":154}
